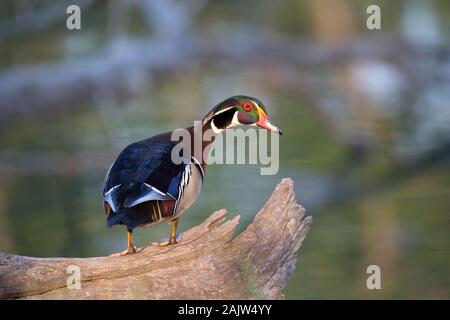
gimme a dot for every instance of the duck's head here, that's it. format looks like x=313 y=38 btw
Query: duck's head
x=236 y=111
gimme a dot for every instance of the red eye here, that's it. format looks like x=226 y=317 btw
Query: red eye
x=247 y=106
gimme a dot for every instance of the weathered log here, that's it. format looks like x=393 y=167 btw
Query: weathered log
x=208 y=263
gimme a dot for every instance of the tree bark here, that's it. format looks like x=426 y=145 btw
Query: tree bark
x=208 y=263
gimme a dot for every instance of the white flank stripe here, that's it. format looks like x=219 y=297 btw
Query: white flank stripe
x=183 y=183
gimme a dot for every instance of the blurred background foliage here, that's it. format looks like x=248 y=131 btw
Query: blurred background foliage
x=366 y=117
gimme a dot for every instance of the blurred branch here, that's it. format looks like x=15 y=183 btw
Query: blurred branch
x=329 y=108
x=130 y=65
x=118 y=18
x=171 y=19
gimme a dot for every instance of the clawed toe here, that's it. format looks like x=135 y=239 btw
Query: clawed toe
x=168 y=242
x=164 y=243
x=130 y=250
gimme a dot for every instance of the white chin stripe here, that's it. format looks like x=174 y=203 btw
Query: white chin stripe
x=215 y=129
x=235 y=122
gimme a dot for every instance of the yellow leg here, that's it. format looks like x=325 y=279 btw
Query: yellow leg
x=131 y=247
x=130 y=240
x=173 y=235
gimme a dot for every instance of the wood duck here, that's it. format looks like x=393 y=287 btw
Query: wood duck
x=144 y=187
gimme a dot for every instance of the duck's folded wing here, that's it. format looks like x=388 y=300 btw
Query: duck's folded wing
x=144 y=171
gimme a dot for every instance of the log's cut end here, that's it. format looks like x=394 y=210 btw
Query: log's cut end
x=208 y=263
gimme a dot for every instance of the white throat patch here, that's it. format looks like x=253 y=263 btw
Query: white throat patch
x=235 y=122
x=215 y=129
